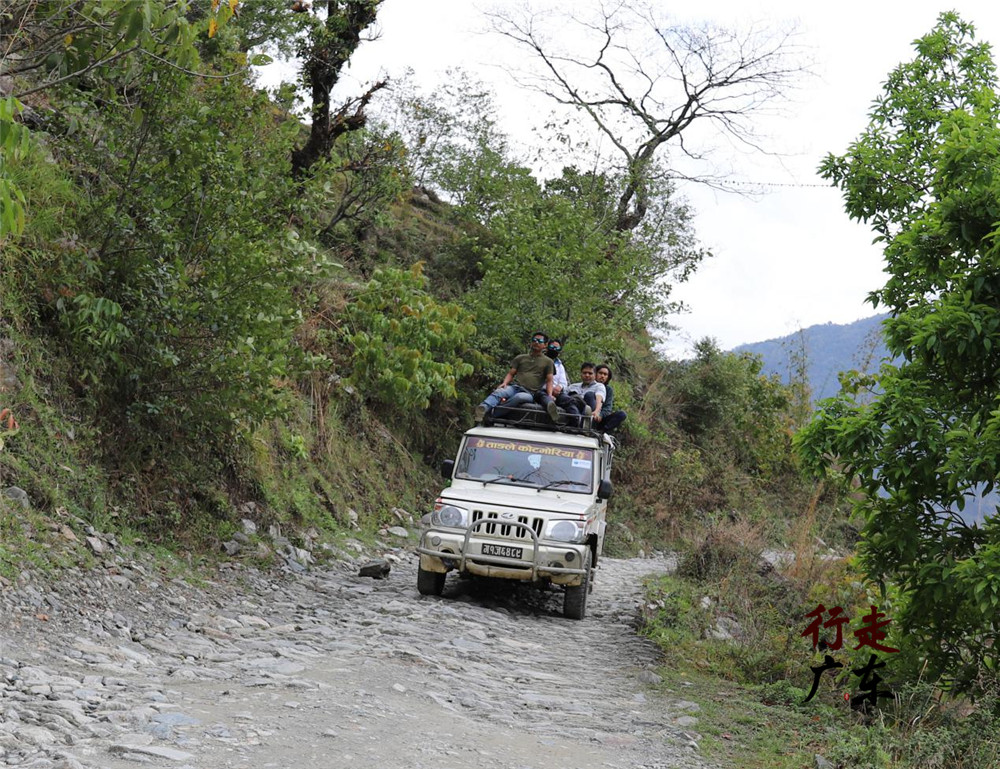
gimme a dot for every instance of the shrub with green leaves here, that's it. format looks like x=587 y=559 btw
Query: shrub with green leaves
x=14 y=144
x=726 y=404
x=407 y=347
x=182 y=308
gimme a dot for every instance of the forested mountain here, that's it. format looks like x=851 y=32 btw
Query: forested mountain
x=823 y=351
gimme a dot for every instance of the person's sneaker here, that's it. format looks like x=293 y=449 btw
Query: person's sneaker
x=553 y=411
x=587 y=411
x=480 y=413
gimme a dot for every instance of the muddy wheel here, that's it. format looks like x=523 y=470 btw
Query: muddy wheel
x=429 y=582
x=575 y=599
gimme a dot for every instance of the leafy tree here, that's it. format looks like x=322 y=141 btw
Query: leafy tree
x=49 y=44
x=272 y=25
x=68 y=40
x=925 y=174
x=356 y=185
x=454 y=143
x=553 y=263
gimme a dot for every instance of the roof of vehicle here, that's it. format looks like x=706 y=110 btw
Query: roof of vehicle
x=540 y=436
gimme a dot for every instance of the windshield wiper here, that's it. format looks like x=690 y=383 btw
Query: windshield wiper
x=561 y=483
x=499 y=478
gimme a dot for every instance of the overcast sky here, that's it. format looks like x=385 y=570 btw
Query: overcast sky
x=785 y=259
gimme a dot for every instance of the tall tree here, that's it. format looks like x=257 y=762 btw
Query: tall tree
x=644 y=82
x=325 y=52
x=926 y=175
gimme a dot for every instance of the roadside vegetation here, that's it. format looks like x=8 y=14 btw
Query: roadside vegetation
x=907 y=449
x=210 y=310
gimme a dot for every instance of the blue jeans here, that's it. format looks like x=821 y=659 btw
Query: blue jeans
x=572 y=408
x=524 y=397
x=589 y=399
x=509 y=393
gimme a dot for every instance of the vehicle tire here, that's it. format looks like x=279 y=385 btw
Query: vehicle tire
x=575 y=599
x=429 y=582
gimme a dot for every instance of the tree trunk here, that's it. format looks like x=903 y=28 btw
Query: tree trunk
x=333 y=44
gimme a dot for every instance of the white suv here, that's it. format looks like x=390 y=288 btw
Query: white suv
x=525 y=503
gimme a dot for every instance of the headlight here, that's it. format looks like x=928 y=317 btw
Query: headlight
x=450 y=516
x=567 y=531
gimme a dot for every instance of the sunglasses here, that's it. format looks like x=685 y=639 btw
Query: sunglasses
x=555 y=347
x=539 y=339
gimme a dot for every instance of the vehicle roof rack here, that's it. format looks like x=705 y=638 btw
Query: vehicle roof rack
x=533 y=417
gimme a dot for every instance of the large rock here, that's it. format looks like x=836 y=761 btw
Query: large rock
x=18 y=496
x=375 y=569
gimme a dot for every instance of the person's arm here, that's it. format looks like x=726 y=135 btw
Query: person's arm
x=507 y=379
x=548 y=385
x=599 y=393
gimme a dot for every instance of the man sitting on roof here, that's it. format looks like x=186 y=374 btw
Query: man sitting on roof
x=560 y=384
x=529 y=378
x=610 y=419
x=588 y=394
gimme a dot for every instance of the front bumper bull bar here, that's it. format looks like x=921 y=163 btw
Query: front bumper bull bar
x=496 y=560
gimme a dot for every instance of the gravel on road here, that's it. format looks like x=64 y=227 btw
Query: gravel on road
x=121 y=667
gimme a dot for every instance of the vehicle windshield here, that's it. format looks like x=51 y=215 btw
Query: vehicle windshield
x=525 y=463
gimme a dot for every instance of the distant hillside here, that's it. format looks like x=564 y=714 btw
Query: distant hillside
x=834 y=348
x=829 y=349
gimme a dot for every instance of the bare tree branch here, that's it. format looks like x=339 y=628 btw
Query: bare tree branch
x=644 y=83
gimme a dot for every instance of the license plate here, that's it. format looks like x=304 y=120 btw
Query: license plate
x=504 y=551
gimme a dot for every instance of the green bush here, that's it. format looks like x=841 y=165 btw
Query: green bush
x=406 y=346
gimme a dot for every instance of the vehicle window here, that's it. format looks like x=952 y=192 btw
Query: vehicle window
x=525 y=463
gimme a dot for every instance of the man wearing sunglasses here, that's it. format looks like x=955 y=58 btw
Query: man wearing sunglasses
x=529 y=378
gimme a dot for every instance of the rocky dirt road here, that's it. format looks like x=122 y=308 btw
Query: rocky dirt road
x=121 y=668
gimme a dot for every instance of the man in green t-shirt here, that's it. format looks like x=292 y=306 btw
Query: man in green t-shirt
x=529 y=379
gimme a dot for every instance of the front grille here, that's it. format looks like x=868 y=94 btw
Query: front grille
x=506 y=531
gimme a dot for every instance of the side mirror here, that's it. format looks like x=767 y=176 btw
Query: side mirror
x=448 y=468
x=605 y=489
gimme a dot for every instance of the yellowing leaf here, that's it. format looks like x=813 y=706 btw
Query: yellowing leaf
x=68 y=41
x=213 y=26
x=232 y=5
x=215 y=5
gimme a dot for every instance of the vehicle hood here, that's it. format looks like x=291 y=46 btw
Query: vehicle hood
x=466 y=493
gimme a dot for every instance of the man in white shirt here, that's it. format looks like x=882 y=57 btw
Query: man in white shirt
x=559 y=379
x=560 y=384
x=588 y=392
